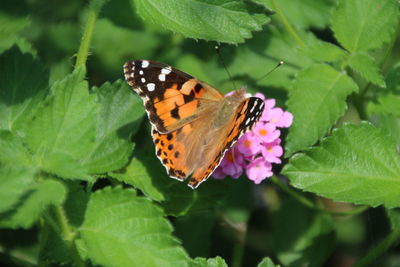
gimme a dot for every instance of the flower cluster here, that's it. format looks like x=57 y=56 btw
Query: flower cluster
x=256 y=150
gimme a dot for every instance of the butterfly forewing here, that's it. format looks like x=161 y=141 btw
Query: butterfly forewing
x=171 y=97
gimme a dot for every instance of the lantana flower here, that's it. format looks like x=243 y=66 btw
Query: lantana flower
x=256 y=151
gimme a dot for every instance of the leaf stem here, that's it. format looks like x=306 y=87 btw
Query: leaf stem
x=93 y=12
x=67 y=234
x=374 y=253
x=308 y=203
x=287 y=25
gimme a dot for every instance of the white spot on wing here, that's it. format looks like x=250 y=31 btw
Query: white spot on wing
x=247 y=121
x=161 y=77
x=151 y=86
x=145 y=64
x=141 y=72
x=252 y=108
x=166 y=70
x=143 y=80
x=132 y=74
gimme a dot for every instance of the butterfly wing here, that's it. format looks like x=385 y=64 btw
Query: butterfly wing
x=171 y=97
x=246 y=115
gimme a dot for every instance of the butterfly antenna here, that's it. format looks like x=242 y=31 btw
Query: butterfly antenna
x=269 y=72
x=225 y=67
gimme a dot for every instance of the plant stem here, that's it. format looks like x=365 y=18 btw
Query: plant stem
x=308 y=203
x=93 y=12
x=374 y=253
x=67 y=234
x=239 y=245
x=287 y=25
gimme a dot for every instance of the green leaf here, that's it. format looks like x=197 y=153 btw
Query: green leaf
x=112 y=44
x=30 y=207
x=357 y=164
x=361 y=25
x=15 y=182
x=365 y=65
x=302 y=236
x=306 y=13
x=23 y=85
x=317 y=100
x=138 y=175
x=324 y=51
x=13 y=150
x=63 y=128
x=229 y=21
x=11 y=27
x=267 y=262
x=213 y=262
x=387 y=105
x=120 y=116
x=122 y=229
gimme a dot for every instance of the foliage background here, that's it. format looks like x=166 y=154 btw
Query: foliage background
x=79 y=182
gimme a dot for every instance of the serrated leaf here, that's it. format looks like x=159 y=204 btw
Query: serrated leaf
x=324 y=51
x=213 y=262
x=64 y=125
x=317 y=100
x=361 y=25
x=365 y=65
x=122 y=229
x=230 y=21
x=307 y=242
x=45 y=193
x=23 y=85
x=267 y=262
x=357 y=164
x=121 y=113
x=15 y=181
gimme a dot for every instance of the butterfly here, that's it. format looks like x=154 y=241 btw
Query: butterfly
x=193 y=124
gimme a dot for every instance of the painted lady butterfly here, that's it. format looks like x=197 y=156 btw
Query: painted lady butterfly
x=193 y=123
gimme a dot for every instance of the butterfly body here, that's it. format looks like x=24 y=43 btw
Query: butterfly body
x=193 y=123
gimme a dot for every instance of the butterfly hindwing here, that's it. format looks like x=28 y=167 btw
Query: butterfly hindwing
x=247 y=114
x=171 y=97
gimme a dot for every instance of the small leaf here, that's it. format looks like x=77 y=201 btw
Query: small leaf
x=213 y=262
x=229 y=21
x=64 y=125
x=267 y=262
x=122 y=229
x=324 y=51
x=361 y=25
x=23 y=85
x=365 y=65
x=45 y=193
x=357 y=164
x=317 y=100
x=302 y=236
x=121 y=113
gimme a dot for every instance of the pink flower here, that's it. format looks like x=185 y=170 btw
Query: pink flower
x=272 y=152
x=279 y=117
x=258 y=149
x=249 y=144
x=266 y=132
x=232 y=163
x=258 y=170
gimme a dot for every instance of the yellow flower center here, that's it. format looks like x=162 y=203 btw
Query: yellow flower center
x=247 y=143
x=263 y=132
